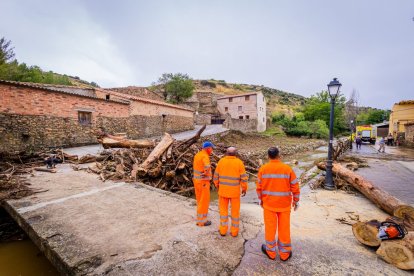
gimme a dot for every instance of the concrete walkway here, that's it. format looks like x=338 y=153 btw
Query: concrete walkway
x=85 y=226
x=210 y=130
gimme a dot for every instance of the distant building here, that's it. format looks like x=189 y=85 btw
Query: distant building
x=401 y=114
x=246 y=112
x=381 y=129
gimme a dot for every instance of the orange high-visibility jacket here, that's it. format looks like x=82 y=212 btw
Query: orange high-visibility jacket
x=230 y=176
x=201 y=166
x=276 y=184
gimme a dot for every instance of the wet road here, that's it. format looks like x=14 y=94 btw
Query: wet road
x=392 y=171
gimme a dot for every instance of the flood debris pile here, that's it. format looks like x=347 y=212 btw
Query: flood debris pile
x=12 y=168
x=167 y=166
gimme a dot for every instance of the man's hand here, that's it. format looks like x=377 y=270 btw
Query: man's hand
x=295 y=205
x=243 y=193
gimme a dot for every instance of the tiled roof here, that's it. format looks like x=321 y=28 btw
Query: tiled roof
x=238 y=95
x=59 y=89
x=139 y=99
x=406 y=102
x=141 y=92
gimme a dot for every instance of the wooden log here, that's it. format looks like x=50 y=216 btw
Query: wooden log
x=156 y=153
x=366 y=232
x=125 y=143
x=382 y=199
x=399 y=252
x=45 y=170
x=406 y=213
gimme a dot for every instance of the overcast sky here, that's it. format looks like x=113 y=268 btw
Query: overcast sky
x=297 y=46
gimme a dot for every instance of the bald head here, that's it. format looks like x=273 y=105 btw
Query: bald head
x=231 y=151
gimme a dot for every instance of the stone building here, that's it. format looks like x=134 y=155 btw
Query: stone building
x=205 y=105
x=34 y=116
x=246 y=112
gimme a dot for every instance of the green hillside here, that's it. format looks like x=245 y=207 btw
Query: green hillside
x=278 y=101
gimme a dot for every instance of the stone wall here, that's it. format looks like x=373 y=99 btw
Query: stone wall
x=409 y=135
x=245 y=125
x=34 y=132
x=203 y=119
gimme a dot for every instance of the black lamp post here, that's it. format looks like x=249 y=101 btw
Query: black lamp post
x=333 y=88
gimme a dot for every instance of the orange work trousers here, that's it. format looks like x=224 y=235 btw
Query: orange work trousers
x=202 y=192
x=277 y=222
x=224 y=215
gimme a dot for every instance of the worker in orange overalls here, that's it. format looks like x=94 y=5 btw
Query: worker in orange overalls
x=201 y=179
x=278 y=191
x=230 y=178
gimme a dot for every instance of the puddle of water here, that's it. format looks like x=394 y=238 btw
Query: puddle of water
x=24 y=258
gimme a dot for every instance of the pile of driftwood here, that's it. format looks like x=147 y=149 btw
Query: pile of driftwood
x=166 y=165
x=397 y=252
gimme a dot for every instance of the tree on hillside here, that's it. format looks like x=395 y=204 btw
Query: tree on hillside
x=6 y=51
x=318 y=107
x=176 y=87
x=372 y=116
x=352 y=109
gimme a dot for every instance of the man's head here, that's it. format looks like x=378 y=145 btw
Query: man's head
x=208 y=147
x=273 y=153
x=231 y=151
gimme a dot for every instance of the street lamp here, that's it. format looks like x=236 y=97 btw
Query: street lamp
x=333 y=89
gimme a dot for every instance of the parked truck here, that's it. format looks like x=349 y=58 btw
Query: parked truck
x=366 y=133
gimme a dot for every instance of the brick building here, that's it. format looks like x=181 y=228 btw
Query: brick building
x=246 y=112
x=34 y=116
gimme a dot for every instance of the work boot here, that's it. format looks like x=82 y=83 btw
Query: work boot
x=290 y=255
x=265 y=252
x=223 y=235
x=207 y=223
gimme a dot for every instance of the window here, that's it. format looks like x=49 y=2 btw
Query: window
x=241 y=117
x=107 y=97
x=240 y=108
x=263 y=119
x=85 y=118
x=230 y=100
x=247 y=117
x=226 y=109
x=246 y=98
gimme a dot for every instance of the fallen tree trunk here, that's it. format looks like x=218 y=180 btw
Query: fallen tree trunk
x=382 y=199
x=399 y=252
x=159 y=150
x=125 y=143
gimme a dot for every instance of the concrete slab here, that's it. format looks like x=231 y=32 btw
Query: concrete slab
x=85 y=226
x=321 y=244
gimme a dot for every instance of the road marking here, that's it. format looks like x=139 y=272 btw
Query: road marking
x=60 y=200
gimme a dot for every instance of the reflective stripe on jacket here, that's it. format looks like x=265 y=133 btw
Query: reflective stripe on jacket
x=276 y=185
x=201 y=166
x=230 y=177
